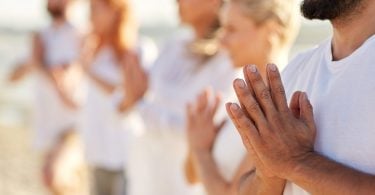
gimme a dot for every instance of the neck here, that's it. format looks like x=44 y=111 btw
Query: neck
x=350 y=33
x=59 y=21
x=203 y=27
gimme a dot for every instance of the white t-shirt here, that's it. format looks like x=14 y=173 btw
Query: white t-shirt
x=101 y=129
x=105 y=131
x=159 y=152
x=62 y=46
x=342 y=94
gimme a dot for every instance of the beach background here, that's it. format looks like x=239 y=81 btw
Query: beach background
x=19 y=163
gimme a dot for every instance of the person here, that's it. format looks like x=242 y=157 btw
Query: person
x=183 y=69
x=322 y=142
x=110 y=58
x=55 y=49
x=254 y=32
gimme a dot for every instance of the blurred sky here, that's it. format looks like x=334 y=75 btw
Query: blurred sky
x=26 y=14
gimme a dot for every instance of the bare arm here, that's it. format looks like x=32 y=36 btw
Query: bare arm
x=252 y=184
x=135 y=81
x=212 y=179
x=105 y=86
x=319 y=175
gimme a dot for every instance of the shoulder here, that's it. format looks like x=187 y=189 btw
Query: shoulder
x=177 y=40
x=304 y=60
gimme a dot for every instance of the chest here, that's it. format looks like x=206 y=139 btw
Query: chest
x=344 y=111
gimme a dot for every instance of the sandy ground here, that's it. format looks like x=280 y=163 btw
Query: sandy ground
x=19 y=165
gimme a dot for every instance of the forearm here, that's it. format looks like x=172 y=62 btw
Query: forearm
x=108 y=88
x=209 y=175
x=319 y=175
x=252 y=184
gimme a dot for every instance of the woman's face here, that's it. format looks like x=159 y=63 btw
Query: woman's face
x=102 y=17
x=192 y=11
x=245 y=41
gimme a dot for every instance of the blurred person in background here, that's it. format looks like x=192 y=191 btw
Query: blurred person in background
x=254 y=32
x=184 y=68
x=54 y=51
x=111 y=57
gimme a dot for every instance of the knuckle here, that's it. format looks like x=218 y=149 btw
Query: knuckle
x=275 y=76
x=265 y=94
x=256 y=79
x=280 y=90
x=254 y=107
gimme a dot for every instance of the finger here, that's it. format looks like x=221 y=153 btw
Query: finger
x=202 y=101
x=216 y=105
x=295 y=105
x=190 y=115
x=307 y=113
x=189 y=110
x=221 y=125
x=262 y=92
x=245 y=127
x=249 y=103
x=277 y=88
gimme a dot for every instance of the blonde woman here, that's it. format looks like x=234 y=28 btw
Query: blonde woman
x=255 y=32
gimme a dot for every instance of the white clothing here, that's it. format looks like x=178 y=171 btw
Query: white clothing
x=101 y=126
x=342 y=94
x=52 y=118
x=229 y=151
x=62 y=45
x=156 y=164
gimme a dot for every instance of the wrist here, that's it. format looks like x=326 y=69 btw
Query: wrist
x=200 y=154
x=299 y=165
x=269 y=181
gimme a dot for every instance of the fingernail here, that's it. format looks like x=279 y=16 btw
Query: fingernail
x=234 y=107
x=272 y=67
x=241 y=84
x=252 y=68
x=305 y=96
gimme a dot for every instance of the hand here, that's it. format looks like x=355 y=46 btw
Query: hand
x=19 y=72
x=277 y=135
x=201 y=128
x=59 y=75
x=135 y=80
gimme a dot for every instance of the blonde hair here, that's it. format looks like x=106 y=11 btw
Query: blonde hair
x=284 y=12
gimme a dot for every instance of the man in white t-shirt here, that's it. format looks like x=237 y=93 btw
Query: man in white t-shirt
x=330 y=150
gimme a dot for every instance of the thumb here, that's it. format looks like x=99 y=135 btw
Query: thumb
x=307 y=113
x=221 y=125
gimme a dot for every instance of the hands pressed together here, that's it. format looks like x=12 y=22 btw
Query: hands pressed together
x=276 y=135
x=135 y=81
x=201 y=128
